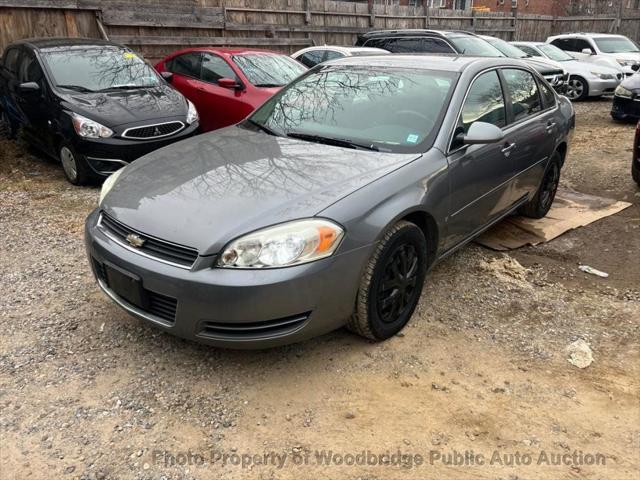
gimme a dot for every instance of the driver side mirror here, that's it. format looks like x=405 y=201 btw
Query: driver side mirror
x=29 y=87
x=635 y=67
x=229 y=83
x=481 y=133
x=587 y=51
x=168 y=76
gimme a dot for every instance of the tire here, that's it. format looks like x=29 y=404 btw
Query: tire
x=385 y=304
x=635 y=172
x=577 y=88
x=540 y=204
x=5 y=126
x=75 y=166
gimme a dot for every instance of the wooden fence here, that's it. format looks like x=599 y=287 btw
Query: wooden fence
x=157 y=27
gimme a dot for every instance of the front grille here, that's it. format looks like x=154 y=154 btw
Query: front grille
x=247 y=331
x=153 y=247
x=154 y=131
x=156 y=304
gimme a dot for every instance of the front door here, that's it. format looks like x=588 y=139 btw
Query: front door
x=480 y=176
x=34 y=104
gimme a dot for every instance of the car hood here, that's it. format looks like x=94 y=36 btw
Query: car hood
x=121 y=107
x=208 y=190
x=543 y=65
x=632 y=83
x=575 y=67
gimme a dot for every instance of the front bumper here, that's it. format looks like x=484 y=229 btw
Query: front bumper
x=625 y=108
x=233 y=308
x=599 y=87
x=106 y=155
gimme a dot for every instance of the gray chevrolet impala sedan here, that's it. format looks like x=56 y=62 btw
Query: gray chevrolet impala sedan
x=329 y=204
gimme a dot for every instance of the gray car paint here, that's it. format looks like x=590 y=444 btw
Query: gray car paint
x=205 y=191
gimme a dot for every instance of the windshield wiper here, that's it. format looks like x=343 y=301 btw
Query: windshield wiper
x=262 y=127
x=125 y=87
x=338 y=142
x=77 y=88
x=268 y=85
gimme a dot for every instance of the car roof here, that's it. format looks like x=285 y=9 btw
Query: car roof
x=340 y=49
x=224 y=51
x=56 y=42
x=587 y=34
x=416 y=31
x=442 y=62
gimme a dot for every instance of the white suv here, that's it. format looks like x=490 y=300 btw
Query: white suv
x=600 y=48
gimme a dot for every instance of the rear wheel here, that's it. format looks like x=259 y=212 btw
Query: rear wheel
x=75 y=166
x=392 y=283
x=577 y=88
x=540 y=204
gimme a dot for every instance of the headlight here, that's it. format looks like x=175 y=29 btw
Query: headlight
x=192 y=113
x=87 y=128
x=603 y=76
x=291 y=243
x=108 y=184
x=622 y=92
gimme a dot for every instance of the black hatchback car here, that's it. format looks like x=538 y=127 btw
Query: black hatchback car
x=92 y=104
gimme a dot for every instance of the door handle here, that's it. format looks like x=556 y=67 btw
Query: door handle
x=508 y=148
x=550 y=126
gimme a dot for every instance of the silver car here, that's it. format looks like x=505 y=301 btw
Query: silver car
x=585 y=79
x=329 y=204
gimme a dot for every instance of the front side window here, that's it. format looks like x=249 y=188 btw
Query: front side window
x=383 y=108
x=29 y=70
x=266 y=70
x=548 y=97
x=99 y=68
x=484 y=103
x=474 y=46
x=11 y=60
x=214 y=68
x=579 y=45
x=616 y=45
x=523 y=90
x=333 y=55
x=312 y=58
x=566 y=44
x=188 y=64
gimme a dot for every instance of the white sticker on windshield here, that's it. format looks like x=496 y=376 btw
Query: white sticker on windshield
x=412 y=138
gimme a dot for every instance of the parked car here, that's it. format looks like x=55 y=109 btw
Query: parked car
x=93 y=105
x=585 y=79
x=428 y=41
x=227 y=84
x=312 y=56
x=550 y=70
x=626 y=99
x=615 y=51
x=635 y=162
x=329 y=204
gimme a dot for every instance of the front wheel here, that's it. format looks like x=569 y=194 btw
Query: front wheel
x=392 y=283
x=635 y=172
x=540 y=204
x=577 y=88
x=75 y=167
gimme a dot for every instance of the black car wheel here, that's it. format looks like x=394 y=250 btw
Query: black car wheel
x=540 y=204
x=577 y=88
x=5 y=126
x=635 y=172
x=392 y=283
x=75 y=166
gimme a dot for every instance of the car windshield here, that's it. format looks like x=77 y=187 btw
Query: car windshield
x=99 y=68
x=506 y=48
x=554 y=53
x=382 y=108
x=475 y=46
x=616 y=45
x=265 y=70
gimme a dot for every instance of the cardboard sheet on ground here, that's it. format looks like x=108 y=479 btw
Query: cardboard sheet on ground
x=570 y=210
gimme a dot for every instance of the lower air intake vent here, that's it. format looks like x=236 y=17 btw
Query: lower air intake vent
x=270 y=328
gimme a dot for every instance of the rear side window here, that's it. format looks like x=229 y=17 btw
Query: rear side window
x=484 y=103
x=435 y=45
x=404 y=45
x=188 y=64
x=311 y=59
x=523 y=90
x=331 y=55
x=214 y=68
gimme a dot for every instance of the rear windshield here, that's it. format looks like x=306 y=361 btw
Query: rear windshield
x=389 y=109
x=615 y=45
x=554 y=53
x=474 y=46
x=99 y=68
x=264 y=70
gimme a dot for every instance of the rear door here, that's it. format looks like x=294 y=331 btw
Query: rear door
x=531 y=109
x=480 y=176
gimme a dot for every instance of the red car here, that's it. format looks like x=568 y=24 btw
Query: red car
x=635 y=162
x=227 y=84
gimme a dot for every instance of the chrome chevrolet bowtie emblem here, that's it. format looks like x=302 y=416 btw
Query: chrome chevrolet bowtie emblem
x=135 y=241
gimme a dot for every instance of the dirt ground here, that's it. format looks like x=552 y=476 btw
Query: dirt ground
x=477 y=387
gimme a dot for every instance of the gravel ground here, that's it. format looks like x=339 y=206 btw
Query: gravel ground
x=88 y=392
